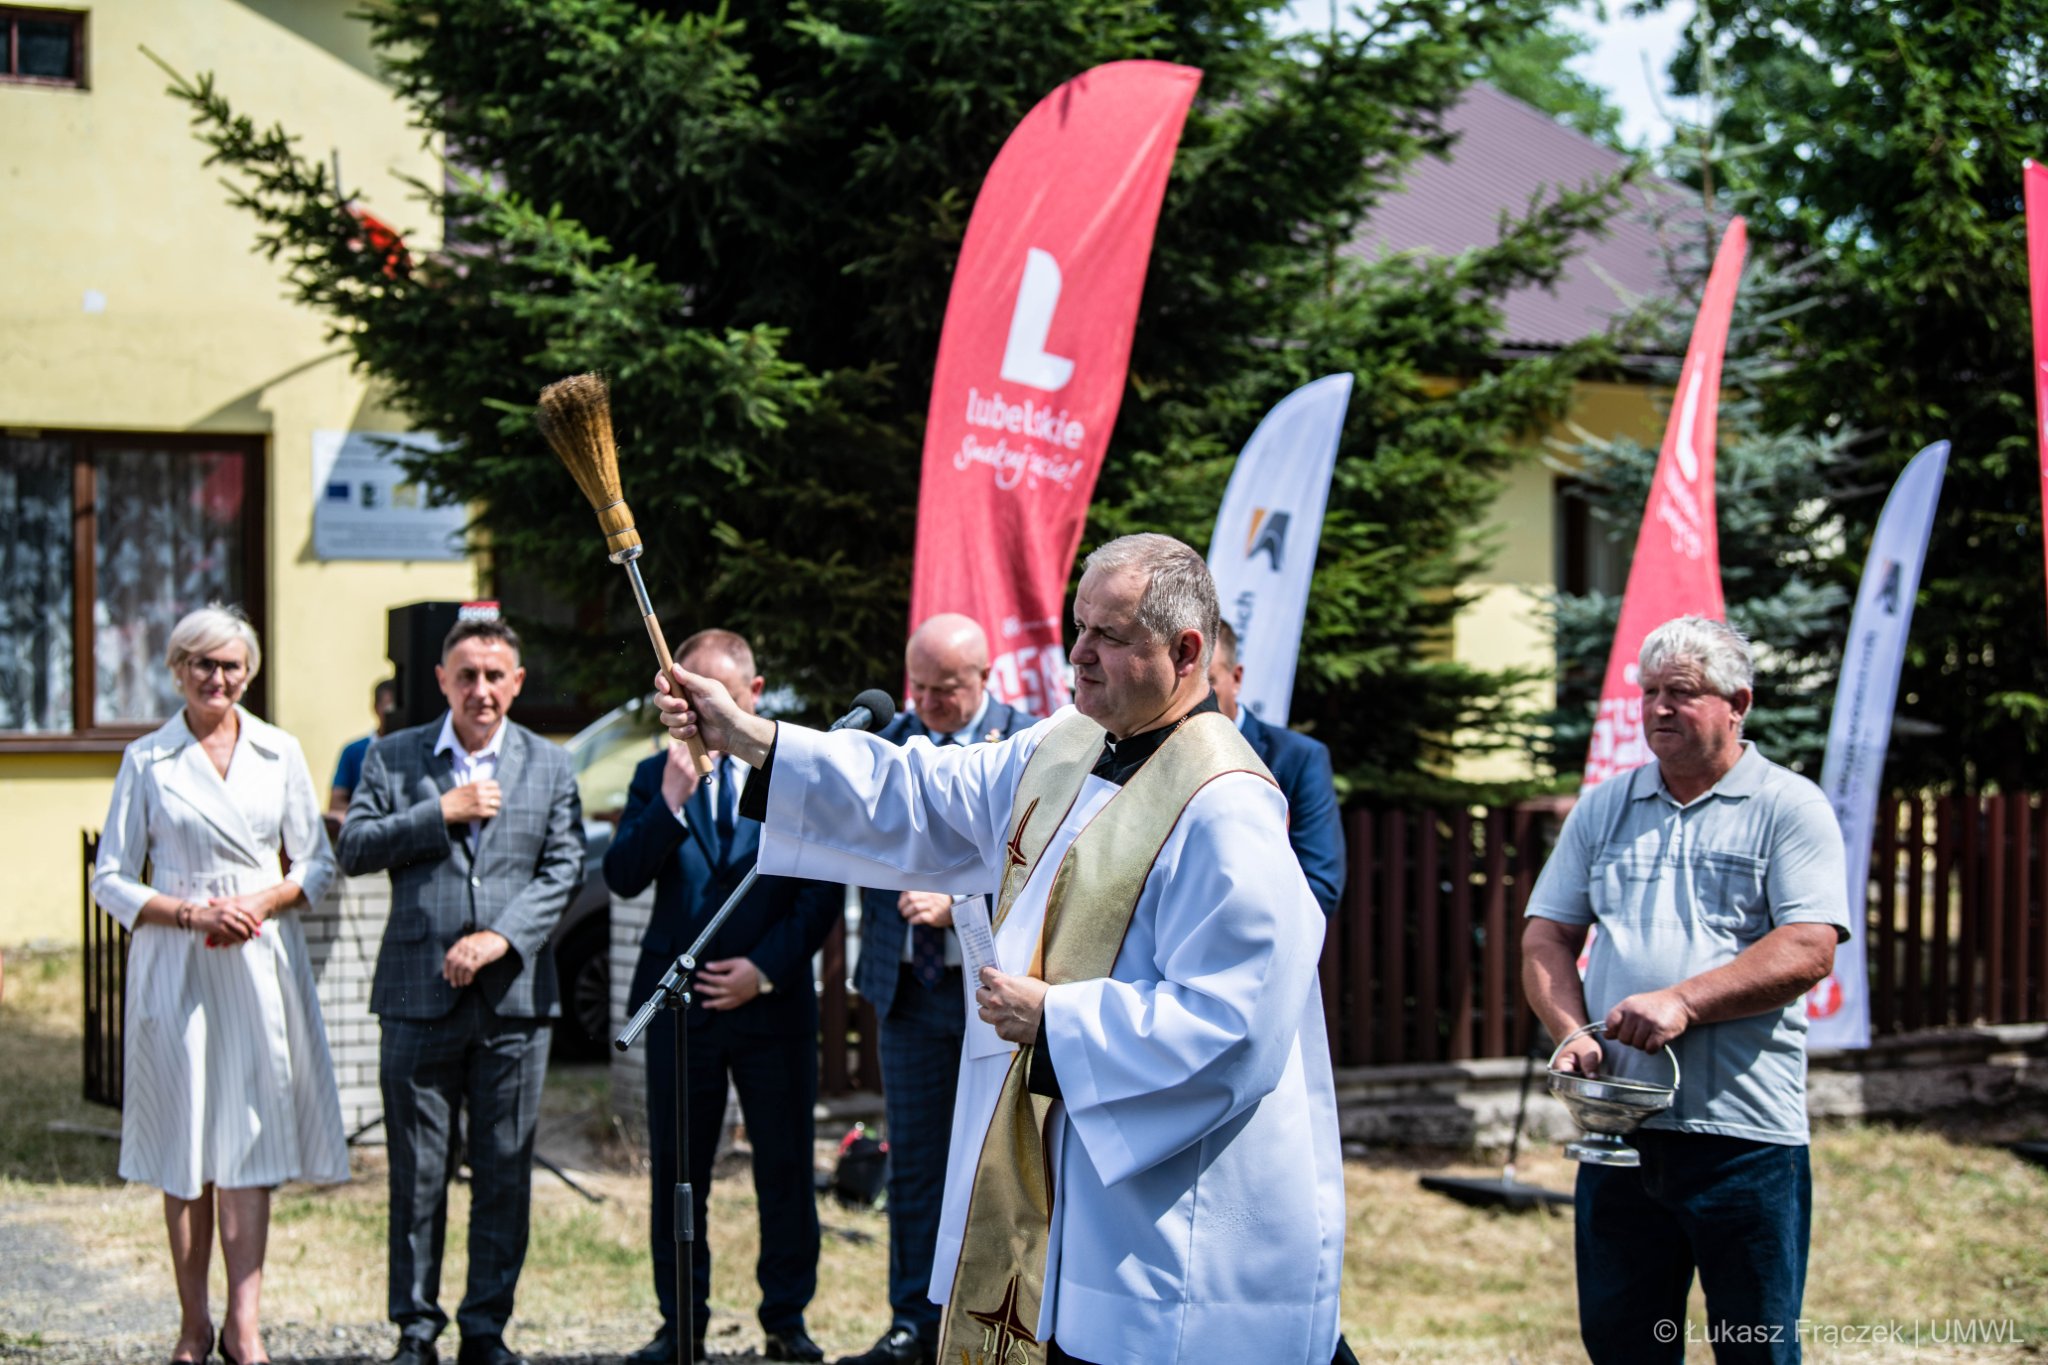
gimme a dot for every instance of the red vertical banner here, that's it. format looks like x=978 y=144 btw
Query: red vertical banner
x=1032 y=359
x=2036 y=177
x=1677 y=565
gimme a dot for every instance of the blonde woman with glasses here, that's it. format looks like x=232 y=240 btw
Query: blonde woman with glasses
x=229 y=1087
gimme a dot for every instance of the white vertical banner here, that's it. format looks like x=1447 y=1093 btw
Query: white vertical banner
x=1263 y=551
x=1852 y=775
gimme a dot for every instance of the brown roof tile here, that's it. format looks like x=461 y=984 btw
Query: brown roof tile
x=1507 y=152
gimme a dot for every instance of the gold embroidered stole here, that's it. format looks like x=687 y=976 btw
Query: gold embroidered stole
x=992 y=1314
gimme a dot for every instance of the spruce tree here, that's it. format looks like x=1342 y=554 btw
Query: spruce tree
x=748 y=217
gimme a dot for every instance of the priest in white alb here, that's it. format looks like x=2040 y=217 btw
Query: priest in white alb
x=1144 y=1163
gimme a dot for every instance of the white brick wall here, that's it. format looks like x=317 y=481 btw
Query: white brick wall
x=342 y=934
x=629 y=1087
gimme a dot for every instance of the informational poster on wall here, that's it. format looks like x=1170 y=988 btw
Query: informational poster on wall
x=365 y=506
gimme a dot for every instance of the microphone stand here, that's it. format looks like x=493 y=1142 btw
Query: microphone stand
x=872 y=710
x=672 y=992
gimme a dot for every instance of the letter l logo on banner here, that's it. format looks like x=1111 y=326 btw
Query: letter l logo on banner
x=1033 y=361
x=1025 y=359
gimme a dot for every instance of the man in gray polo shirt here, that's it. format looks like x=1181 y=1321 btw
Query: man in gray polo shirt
x=1717 y=881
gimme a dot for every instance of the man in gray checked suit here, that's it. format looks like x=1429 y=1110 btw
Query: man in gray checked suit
x=477 y=820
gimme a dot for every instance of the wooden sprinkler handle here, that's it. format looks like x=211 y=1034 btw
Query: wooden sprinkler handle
x=699 y=755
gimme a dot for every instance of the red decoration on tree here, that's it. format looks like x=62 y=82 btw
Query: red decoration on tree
x=380 y=236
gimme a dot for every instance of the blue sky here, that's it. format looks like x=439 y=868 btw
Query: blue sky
x=1628 y=58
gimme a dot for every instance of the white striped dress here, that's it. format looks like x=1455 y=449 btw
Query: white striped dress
x=228 y=1078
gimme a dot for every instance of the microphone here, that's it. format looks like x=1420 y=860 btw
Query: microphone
x=872 y=710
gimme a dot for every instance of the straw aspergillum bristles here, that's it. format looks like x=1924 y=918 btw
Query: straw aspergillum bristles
x=575 y=415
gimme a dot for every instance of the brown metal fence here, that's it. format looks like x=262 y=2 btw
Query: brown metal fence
x=856 y=1063
x=106 y=979
x=1422 y=962
x=1958 y=911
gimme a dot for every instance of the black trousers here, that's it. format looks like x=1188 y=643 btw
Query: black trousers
x=777 y=1081
x=920 y=1080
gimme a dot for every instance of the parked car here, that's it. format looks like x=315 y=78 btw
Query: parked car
x=605 y=753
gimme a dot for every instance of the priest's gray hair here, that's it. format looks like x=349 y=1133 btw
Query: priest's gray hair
x=1179 y=592
x=201 y=632
x=1719 y=649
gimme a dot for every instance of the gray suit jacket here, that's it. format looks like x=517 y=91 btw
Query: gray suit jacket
x=527 y=863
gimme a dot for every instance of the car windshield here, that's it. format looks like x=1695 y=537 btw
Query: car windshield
x=607 y=750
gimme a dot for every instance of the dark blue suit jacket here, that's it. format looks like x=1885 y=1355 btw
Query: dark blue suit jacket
x=779 y=926
x=881 y=924
x=1314 y=826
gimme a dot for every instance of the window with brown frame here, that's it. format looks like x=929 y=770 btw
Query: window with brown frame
x=106 y=539
x=42 y=46
x=1588 y=556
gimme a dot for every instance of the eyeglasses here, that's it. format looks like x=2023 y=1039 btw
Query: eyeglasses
x=206 y=668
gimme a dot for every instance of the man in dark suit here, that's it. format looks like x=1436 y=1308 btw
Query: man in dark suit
x=478 y=822
x=910 y=971
x=1302 y=768
x=753 y=1017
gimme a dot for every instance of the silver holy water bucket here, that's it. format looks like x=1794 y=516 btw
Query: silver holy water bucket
x=1606 y=1107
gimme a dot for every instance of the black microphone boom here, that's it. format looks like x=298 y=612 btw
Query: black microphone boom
x=872 y=710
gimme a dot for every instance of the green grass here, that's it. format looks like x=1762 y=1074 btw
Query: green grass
x=41 y=1061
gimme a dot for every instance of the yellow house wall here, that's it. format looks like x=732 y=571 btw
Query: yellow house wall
x=1505 y=625
x=104 y=189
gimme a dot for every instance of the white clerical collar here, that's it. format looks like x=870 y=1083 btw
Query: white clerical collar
x=449 y=742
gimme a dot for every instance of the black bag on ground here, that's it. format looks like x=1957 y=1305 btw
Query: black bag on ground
x=862 y=1172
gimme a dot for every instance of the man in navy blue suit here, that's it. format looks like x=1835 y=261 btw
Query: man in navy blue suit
x=910 y=971
x=753 y=1017
x=1302 y=768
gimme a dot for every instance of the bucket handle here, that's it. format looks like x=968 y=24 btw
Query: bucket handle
x=1598 y=1026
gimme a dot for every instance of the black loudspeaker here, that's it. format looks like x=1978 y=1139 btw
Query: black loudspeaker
x=413 y=635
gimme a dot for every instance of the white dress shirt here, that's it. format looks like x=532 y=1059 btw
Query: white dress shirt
x=467 y=767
